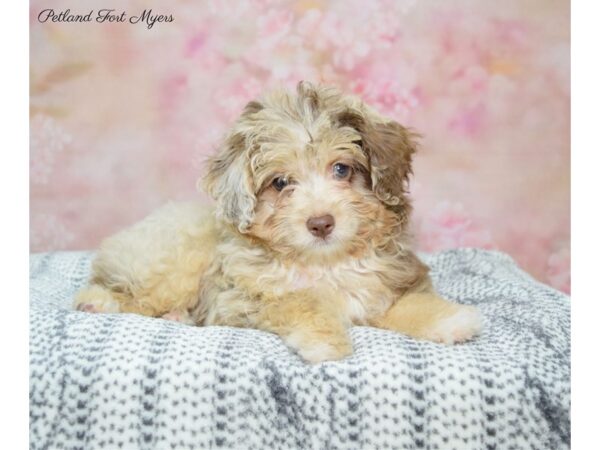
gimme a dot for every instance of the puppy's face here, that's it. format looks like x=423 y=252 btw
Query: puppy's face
x=315 y=176
x=313 y=198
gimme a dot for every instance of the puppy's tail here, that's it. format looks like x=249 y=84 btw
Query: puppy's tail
x=97 y=299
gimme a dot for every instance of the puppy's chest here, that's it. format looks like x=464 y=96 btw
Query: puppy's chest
x=362 y=291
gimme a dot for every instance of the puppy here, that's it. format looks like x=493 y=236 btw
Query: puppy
x=309 y=235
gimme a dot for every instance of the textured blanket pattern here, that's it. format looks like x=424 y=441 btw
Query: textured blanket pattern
x=126 y=381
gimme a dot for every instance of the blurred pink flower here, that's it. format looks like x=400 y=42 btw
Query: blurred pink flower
x=171 y=91
x=336 y=38
x=390 y=87
x=274 y=25
x=513 y=33
x=470 y=80
x=231 y=98
x=195 y=43
x=448 y=225
x=468 y=121
x=388 y=96
x=277 y=50
x=48 y=230
x=205 y=46
x=47 y=141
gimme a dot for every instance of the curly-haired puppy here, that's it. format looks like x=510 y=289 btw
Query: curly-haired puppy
x=309 y=235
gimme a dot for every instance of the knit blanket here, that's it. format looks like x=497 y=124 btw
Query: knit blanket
x=125 y=381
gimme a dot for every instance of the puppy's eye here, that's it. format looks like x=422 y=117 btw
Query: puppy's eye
x=341 y=171
x=279 y=183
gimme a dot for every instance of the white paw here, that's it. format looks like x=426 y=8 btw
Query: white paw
x=179 y=316
x=95 y=299
x=109 y=307
x=463 y=325
x=86 y=307
x=315 y=350
x=322 y=352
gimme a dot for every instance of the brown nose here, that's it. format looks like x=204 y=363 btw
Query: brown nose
x=321 y=226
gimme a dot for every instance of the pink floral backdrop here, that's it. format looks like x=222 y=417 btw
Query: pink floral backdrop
x=122 y=116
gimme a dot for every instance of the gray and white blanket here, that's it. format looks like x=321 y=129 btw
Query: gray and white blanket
x=126 y=381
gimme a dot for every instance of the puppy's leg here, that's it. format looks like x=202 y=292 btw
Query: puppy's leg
x=153 y=268
x=425 y=315
x=308 y=322
x=96 y=298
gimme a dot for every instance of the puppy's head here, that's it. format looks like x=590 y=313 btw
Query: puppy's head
x=314 y=175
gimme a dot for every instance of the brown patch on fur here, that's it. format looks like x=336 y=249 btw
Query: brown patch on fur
x=389 y=147
x=307 y=93
x=218 y=164
x=228 y=180
x=253 y=107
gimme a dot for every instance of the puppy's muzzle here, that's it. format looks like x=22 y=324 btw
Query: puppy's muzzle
x=321 y=226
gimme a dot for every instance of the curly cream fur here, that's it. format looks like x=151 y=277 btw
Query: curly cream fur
x=252 y=262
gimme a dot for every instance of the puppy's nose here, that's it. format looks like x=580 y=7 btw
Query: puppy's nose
x=321 y=226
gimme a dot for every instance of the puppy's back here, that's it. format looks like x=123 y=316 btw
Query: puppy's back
x=158 y=261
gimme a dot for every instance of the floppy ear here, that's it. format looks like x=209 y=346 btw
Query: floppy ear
x=389 y=147
x=228 y=178
x=229 y=182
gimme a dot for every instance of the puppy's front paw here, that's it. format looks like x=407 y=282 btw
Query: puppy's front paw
x=461 y=326
x=86 y=307
x=179 y=316
x=95 y=299
x=324 y=352
x=315 y=347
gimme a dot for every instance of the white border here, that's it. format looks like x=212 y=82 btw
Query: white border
x=14 y=245
x=585 y=231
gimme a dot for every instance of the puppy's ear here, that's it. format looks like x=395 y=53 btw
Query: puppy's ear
x=228 y=178
x=389 y=148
